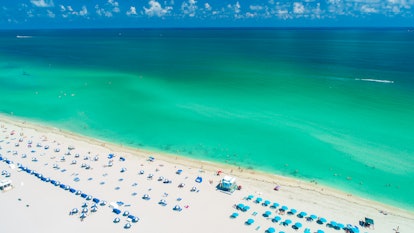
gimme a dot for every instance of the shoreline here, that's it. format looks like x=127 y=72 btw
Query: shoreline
x=250 y=175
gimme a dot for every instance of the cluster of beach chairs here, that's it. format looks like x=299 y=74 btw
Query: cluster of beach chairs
x=281 y=215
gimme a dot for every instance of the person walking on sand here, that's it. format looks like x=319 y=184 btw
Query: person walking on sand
x=397 y=229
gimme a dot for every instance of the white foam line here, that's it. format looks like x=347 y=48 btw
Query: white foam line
x=374 y=80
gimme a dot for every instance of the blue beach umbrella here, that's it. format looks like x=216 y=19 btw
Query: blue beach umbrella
x=302 y=214
x=284 y=208
x=270 y=230
x=307 y=230
x=276 y=219
x=234 y=215
x=266 y=203
x=249 y=221
x=339 y=226
x=293 y=211
x=287 y=222
x=298 y=225
x=313 y=217
x=320 y=231
x=249 y=197
x=267 y=214
x=246 y=208
x=321 y=221
x=240 y=206
x=333 y=224
x=274 y=205
x=259 y=199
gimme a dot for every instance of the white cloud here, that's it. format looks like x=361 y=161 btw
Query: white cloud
x=69 y=8
x=298 y=8
x=132 y=11
x=50 y=14
x=102 y=12
x=42 y=3
x=115 y=6
x=62 y=8
x=189 y=8
x=156 y=9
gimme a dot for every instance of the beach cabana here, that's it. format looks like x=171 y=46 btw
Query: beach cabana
x=297 y=225
x=302 y=214
x=287 y=222
x=267 y=214
x=270 y=230
x=274 y=205
x=249 y=221
x=321 y=221
x=234 y=215
x=292 y=211
x=245 y=208
x=5 y=184
x=276 y=219
x=369 y=222
x=266 y=203
x=227 y=184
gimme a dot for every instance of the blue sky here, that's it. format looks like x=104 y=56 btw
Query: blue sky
x=204 y=13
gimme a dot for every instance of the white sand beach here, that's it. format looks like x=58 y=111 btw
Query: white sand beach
x=83 y=164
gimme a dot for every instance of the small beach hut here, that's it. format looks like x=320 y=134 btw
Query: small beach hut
x=5 y=184
x=270 y=230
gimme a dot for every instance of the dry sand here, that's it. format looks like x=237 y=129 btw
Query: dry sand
x=34 y=206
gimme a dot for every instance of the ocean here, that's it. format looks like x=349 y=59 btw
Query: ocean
x=335 y=106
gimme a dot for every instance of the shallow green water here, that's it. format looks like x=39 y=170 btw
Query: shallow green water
x=336 y=106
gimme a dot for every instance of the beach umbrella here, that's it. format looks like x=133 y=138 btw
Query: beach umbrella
x=284 y=208
x=94 y=209
x=84 y=210
x=250 y=221
x=246 y=208
x=259 y=199
x=116 y=220
x=127 y=225
x=307 y=230
x=313 y=217
x=339 y=226
x=287 y=222
x=274 y=205
x=177 y=208
x=298 y=225
x=249 y=197
x=84 y=205
x=267 y=214
x=266 y=203
x=234 y=215
x=333 y=224
x=240 y=206
x=126 y=213
x=83 y=216
x=302 y=214
x=276 y=219
x=321 y=220
x=135 y=219
x=320 y=231
x=74 y=211
x=270 y=230
x=293 y=211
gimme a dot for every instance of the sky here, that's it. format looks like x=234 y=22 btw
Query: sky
x=36 y=14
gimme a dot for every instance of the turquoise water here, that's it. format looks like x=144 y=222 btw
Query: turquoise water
x=335 y=106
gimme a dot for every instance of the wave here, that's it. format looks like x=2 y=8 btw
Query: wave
x=23 y=37
x=374 y=80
